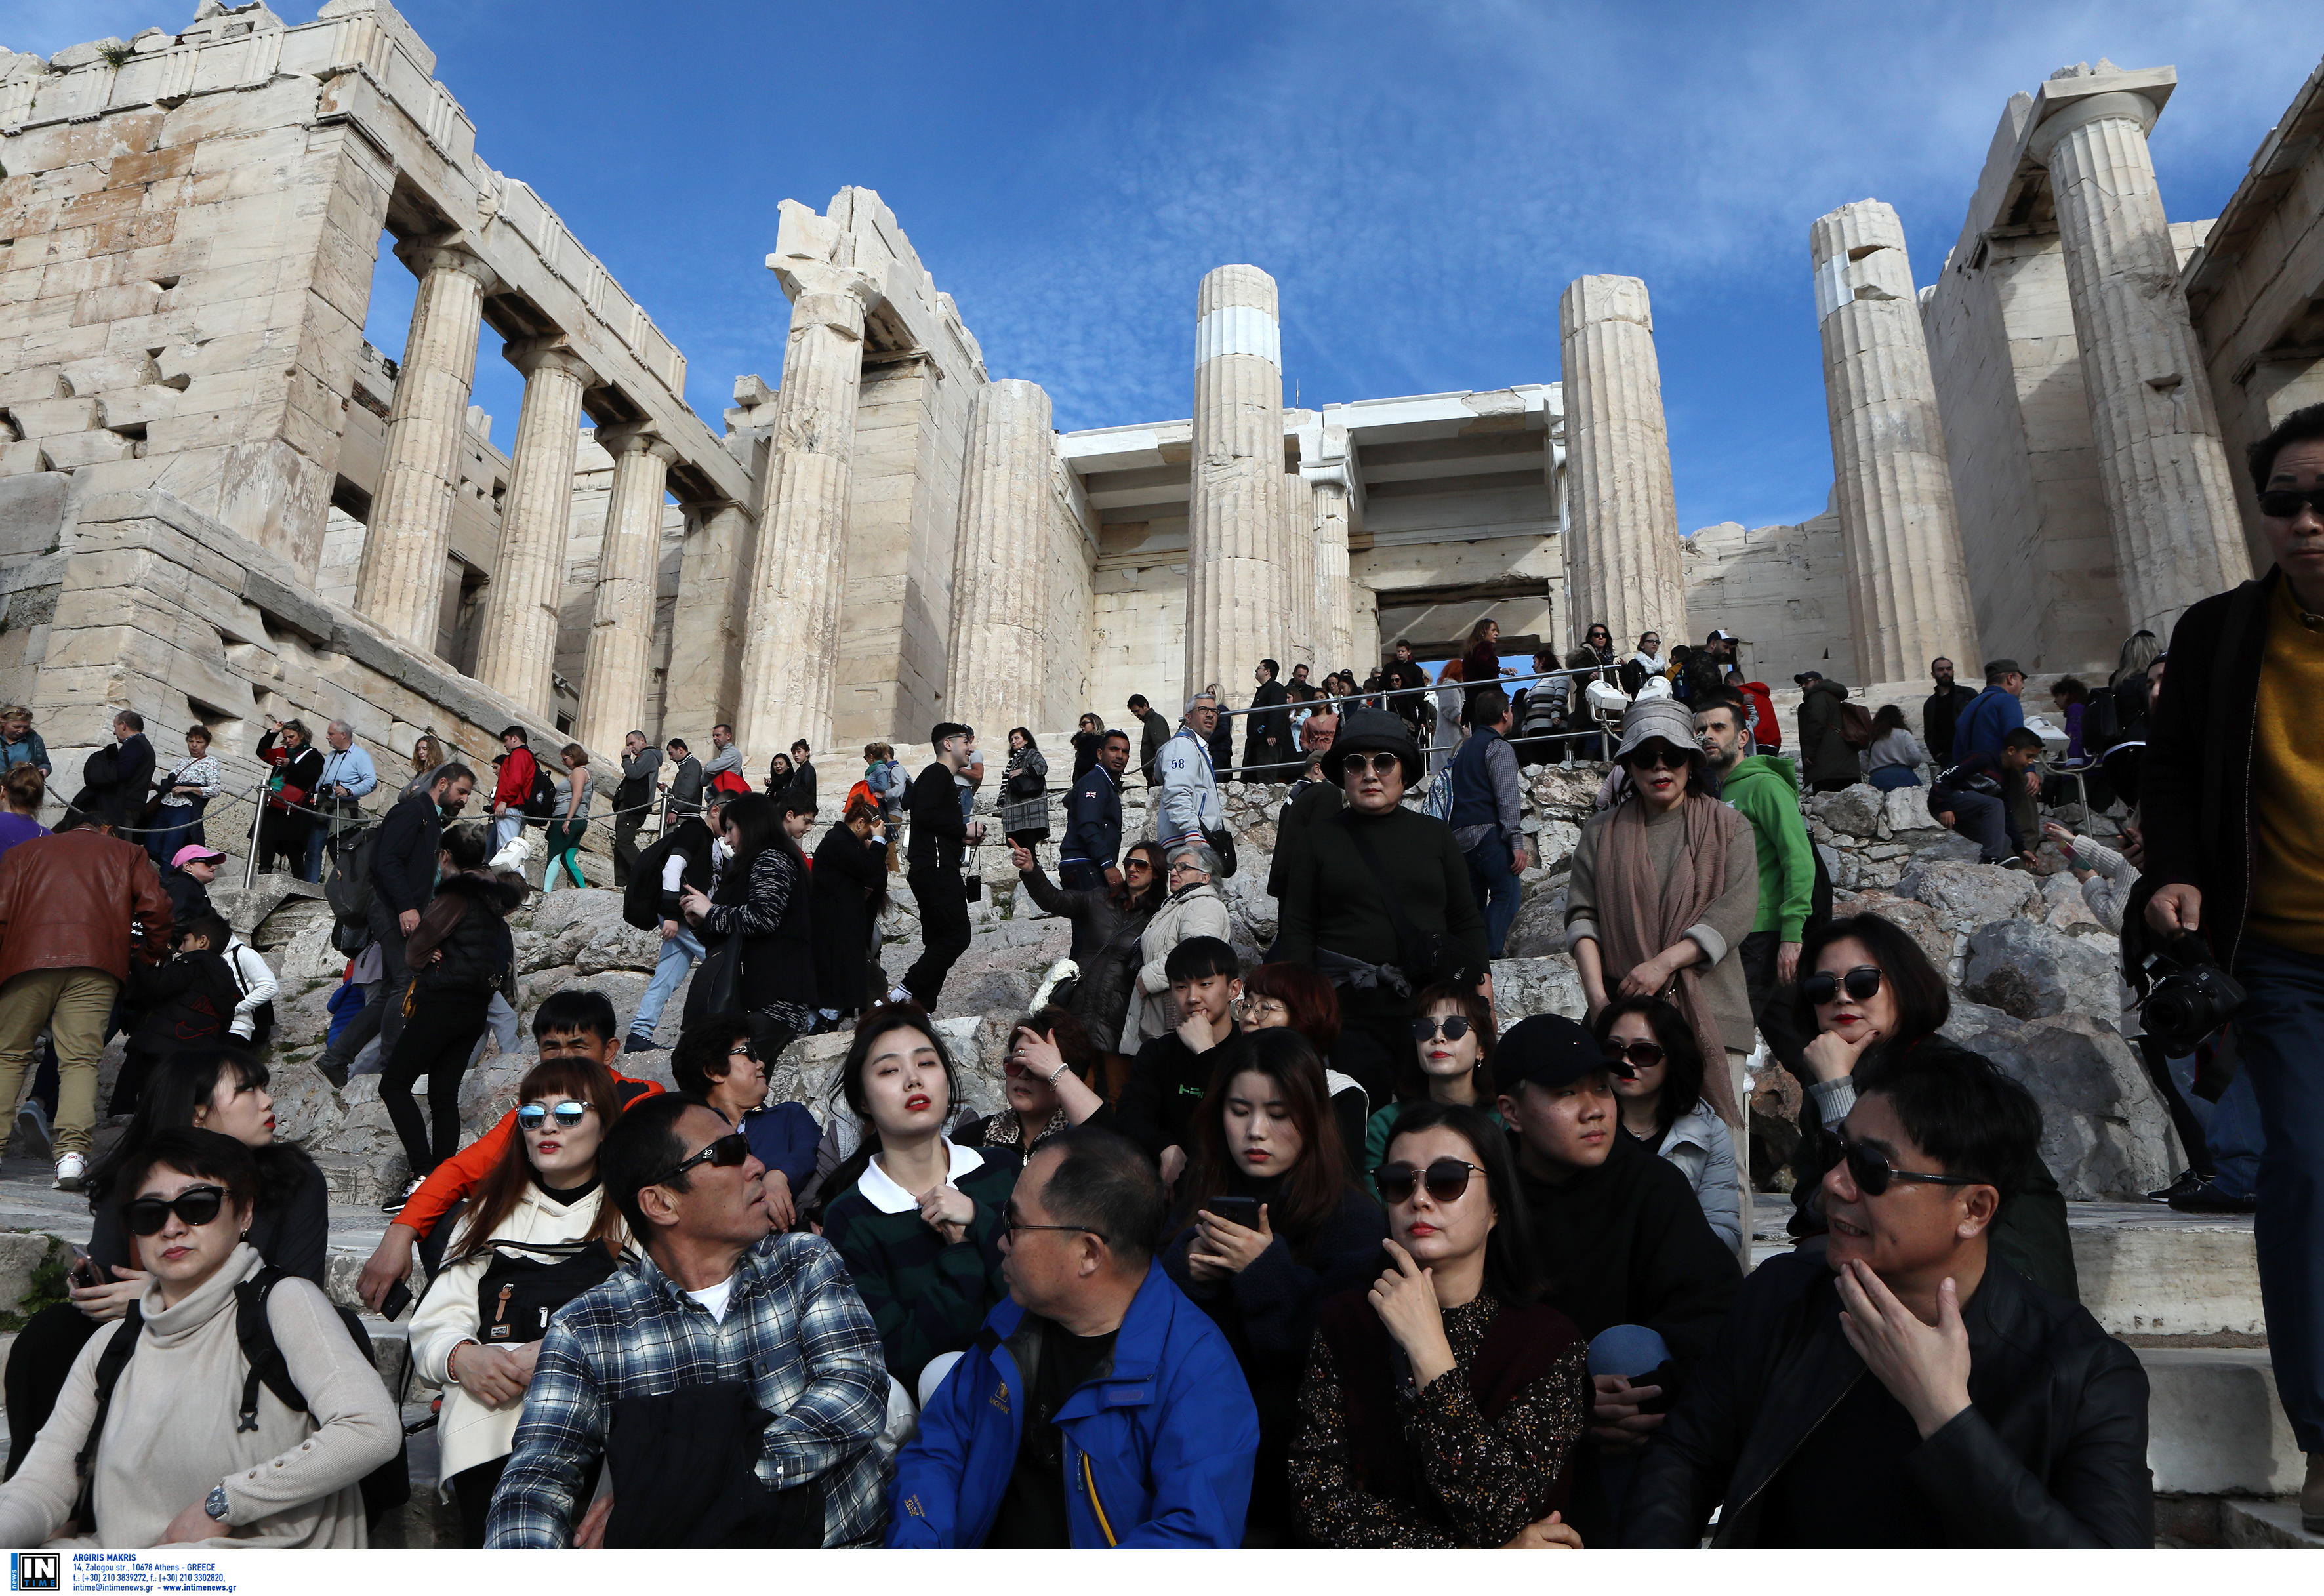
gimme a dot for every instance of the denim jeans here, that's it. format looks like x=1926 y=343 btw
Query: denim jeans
x=1494 y=883
x=1889 y=777
x=2236 y=1139
x=681 y=953
x=173 y=825
x=505 y=829
x=1628 y=1351
x=1980 y=818
x=2281 y=1030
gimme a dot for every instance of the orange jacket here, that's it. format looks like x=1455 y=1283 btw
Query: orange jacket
x=465 y=1170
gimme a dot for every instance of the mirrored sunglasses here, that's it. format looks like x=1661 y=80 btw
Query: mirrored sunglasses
x=532 y=1116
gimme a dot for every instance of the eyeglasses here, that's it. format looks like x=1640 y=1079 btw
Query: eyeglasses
x=1872 y=1173
x=532 y=1116
x=1011 y=1224
x=2283 y=503
x=1452 y=1027
x=1251 y=1007
x=1445 y=1180
x=725 y=1153
x=1639 y=1054
x=1665 y=758
x=1824 y=987
x=197 y=1205
x=1372 y=764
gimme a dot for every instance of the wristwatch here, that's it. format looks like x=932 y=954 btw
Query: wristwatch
x=215 y=1504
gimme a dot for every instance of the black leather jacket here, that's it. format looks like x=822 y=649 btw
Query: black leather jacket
x=2052 y=1450
x=1105 y=947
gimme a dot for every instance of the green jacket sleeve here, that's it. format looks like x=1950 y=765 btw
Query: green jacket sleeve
x=1774 y=815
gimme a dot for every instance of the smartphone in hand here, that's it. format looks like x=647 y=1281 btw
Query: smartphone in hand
x=82 y=1270
x=398 y=1298
x=1241 y=1211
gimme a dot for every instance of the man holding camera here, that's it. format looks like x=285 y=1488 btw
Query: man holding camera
x=2232 y=793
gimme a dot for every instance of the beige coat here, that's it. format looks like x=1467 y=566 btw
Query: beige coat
x=170 y=1434
x=1198 y=911
x=467 y=1432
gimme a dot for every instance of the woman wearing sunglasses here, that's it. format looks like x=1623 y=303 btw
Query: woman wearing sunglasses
x=1274 y=1225
x=1450 y=1061
x=919 y=1227
x=537 y=1234
x=1866 y=984
x=221 y=1089
x=172 y=1465
x=1109 y=924
x=1046 y=1078
x=718 y=1062
x=1663 y=1107
x=1441 y=1407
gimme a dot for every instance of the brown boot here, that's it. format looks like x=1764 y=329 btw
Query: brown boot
x=2311 y=1495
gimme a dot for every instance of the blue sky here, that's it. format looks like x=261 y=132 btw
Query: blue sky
x=1422 y=180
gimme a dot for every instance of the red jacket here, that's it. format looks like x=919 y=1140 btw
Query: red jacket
x=515 y=788
x=1770 y=731
x=461 y=1174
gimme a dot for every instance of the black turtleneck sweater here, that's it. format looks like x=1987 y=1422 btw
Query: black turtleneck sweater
x=1332 y=896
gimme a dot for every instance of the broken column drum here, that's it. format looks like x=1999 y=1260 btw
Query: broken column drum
x=1000 y=594
x=516 y=649
x=1239 y=600
x=1623 y=555
x=1908 y=584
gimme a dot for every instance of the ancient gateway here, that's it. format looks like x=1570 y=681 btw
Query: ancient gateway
x=218 y=504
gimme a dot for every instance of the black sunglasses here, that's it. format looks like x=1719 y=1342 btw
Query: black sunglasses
x=197 y=1205
x=725 y=1153
x=1445 y=1180
x=1642 y=1055
x=1824 y=987
x=1376 y=764
x=532 y=1116
x=2283 y=503
x=1667 y=759
x=1454 y=1027
x=1872 y=1173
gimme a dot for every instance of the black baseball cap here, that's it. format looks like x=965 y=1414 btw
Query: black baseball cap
x=1549 y=1051
x=1809 y=676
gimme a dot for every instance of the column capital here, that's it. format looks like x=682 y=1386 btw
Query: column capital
x=447 y=252
x=554 y=353
x=809 y=280
x=2119 y=105
x=637 y=438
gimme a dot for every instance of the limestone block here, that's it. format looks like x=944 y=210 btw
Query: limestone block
x=141 y=406
x=26 y=387
x=1854 y=811
x=1906 y=808
x=56 y=417
x=2033 y=970
x=2105 y=1135
x=1565 y=795
x=103 y=373
x=1548 y=984
x=1539 y=929
x=71 y=452
x=1950 y=848
x=2215 y=1426
x=17 y=459
x=1927 y=927
x=1553 y=843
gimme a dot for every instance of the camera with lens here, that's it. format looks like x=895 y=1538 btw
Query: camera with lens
x=2188 y=996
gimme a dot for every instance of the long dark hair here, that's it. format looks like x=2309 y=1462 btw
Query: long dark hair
x=183 y=1081
x=1681 y=1053
x=1923 y=1003
x=1158 y=885
x=1311 y=1192
x=758 y=826
x=498 y=1193
x=1888 y=718
x=847 y=1087
x=1510 y=1272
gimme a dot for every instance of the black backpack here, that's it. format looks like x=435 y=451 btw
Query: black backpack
x=642 y=899
x=540 y=803
x=528 y=1281
x=2101 y=726
x=349 y=891
x=384 y=1490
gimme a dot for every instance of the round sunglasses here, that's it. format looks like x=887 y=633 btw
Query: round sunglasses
x=1452 y=1027
x=1446 y=1179
x=197 y=1205
x=1824 y=987
x=532 y=1116
x=1872 y=1173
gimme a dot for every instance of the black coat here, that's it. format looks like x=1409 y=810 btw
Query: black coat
x=1937 y=717
x=846 y=888
x=768 y=905
x=1156 y=732
x=2052 y=1450
x=404 y=858
x=187 y=1002
x=1824 y=753
x=1105 y=947
x=190 y=899
x=1269 y=739
x=477 y=951
x=938 y=830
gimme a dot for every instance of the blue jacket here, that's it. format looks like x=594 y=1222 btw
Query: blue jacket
x=1093 y=819
x=1159 y=1443
x=1985 y=721
x=784 y=1136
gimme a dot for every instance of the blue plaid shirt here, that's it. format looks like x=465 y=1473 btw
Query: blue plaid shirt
x=793 y=1329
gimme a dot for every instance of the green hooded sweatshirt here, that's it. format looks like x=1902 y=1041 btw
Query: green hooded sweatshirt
x=1765 y=787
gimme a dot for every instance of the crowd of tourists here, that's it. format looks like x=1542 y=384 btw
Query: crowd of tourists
x=1298 y=1250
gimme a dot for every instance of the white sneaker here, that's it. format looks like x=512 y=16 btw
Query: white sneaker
x=897 y=994
x=71 y=1170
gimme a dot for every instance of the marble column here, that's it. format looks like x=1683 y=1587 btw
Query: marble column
x=1238 y=569
x=1300 y=640
x=2170 y=495
x=1000 y=650
x=1334 y=599
x=400 y=586
x=705 y=634
x=790 y=654
x=1899 y=532
x=516 y=646
x=619 y=667
x=1623 y=557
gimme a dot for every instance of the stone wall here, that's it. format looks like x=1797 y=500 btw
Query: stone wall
x=1781 y=589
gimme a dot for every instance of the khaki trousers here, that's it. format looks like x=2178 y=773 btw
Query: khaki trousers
x=72 y=1005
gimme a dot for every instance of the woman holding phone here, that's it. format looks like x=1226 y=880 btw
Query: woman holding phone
x=1277 y=1225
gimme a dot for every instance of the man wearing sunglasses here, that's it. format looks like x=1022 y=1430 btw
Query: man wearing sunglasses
x=719 y=1299
x=1619 y=1234
x=1908 y=1388
x=2231 y=790
x=1099 y=1407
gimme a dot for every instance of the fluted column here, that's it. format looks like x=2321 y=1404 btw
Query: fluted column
x=517 y=645
x=1000 y=651
x=1238 y=569
x=1623 y=557
x=1899 y=532
x=400 y=583
x=620 y=662
x=705 y=634
x=790 y=654
x=1300 y=538
x=1335 y=601
x=2170 y=497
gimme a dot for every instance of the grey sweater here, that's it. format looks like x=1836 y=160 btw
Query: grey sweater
x=1718 y=933
x=170 y=1434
